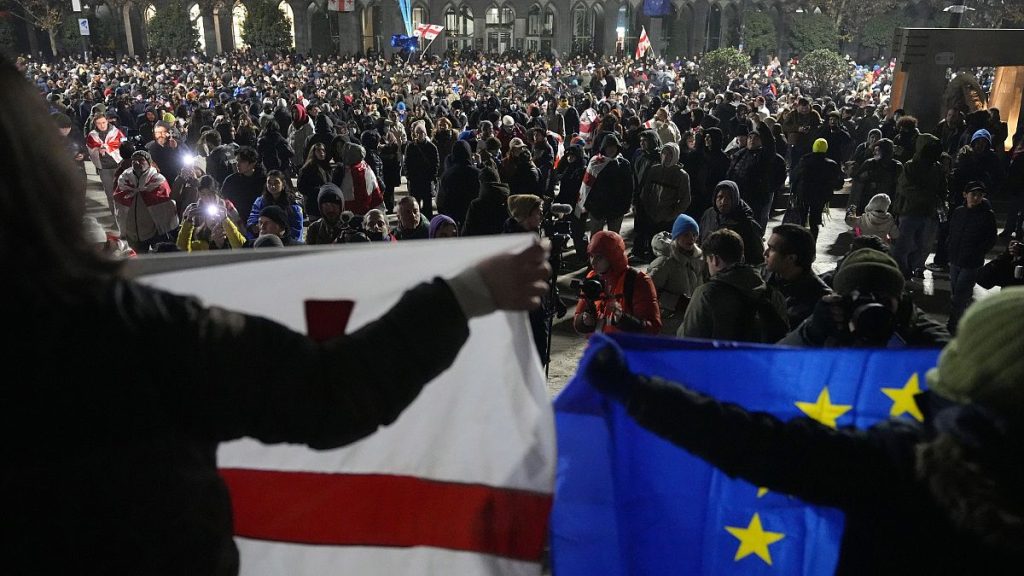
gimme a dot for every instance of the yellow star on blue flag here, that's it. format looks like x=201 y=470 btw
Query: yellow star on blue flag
x=754 y=540
x=903 y=399
x=823 y=410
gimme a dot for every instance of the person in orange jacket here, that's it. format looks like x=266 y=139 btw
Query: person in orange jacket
x=615 y=297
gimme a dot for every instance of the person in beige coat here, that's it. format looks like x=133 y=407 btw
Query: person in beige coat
x=677 y=271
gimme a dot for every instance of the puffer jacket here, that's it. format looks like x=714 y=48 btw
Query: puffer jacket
x=972 y=233
x=676 y=275
x=665 y=192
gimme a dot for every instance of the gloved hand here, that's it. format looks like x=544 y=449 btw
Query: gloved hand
x=827 y=321
x=609 y=373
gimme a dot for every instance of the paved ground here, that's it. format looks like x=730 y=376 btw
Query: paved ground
x=931 y=294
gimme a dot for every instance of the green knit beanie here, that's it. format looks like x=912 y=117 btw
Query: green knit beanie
x=985 y=362
x=869 y=270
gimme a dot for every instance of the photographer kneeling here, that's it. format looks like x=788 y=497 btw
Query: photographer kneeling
x=615 y=297
x=869 y=309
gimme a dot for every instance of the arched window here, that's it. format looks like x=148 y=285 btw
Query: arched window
x=458 y=26
x=582 y=28
x=540 y=27
x=419 y=16
x=500 y=16
x=195 y=15
x=714 y=29
x=290 y=15
x=149 y=13
x=238 y=15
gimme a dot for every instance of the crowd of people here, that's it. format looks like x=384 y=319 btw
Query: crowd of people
x=239 y=151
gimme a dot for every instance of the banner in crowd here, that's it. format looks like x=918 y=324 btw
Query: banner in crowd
x=628 y=502
x=461 y=483
x=341 y=5
x=429 y=31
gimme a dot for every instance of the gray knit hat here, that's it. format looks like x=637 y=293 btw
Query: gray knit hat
x=985 y=362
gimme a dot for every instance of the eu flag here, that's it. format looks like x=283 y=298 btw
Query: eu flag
x=657 y=8
x=628 y=502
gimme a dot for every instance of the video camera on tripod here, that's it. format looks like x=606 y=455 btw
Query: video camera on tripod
x=556 y=227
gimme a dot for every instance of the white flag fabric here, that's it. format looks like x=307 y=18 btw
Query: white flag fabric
x=644 y=44
x=461 y=483
x=341 y=5
x=428 y=31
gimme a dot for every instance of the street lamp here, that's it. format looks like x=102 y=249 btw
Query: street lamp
x=956 y=14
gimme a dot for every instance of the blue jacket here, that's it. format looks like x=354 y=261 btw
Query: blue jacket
x=294 y=219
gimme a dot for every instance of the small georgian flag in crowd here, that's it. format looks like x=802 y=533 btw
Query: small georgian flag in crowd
x=644 y=44
x=428 y=31
x=341 y=5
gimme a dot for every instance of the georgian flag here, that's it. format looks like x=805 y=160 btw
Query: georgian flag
x=341 y=5
x=461 y=483
x=644 y=44
x=428 y=31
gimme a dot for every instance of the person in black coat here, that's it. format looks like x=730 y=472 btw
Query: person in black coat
x=570 y=173
x=489 y=211
x=391 y=158
x=611 y=193
x=972 y=233
x=370 y=141
x=934 y=494
x=460 y=184
x=421 y=167
x=815 y=179
x=273 y=148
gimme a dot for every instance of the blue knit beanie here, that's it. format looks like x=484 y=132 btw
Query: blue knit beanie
x=684 y=224
x=982 y=135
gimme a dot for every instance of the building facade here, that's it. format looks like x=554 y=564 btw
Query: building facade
x=550 y=26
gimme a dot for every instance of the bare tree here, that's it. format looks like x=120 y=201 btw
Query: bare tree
x=46 y=15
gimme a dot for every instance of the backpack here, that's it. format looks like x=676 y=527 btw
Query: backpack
x=221 y=162
x=768 y=325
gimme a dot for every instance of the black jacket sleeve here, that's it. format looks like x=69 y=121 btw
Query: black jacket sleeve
x=254 y=377
x=840 y=468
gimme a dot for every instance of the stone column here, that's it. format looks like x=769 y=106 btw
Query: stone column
x=303 y=42
x=611 y=37
x=698 y=28
x=350 y=30
x=127 y=19
x=655 y=35
x=210 y=32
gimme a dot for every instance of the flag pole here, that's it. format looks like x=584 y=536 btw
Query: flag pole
x=430 y=43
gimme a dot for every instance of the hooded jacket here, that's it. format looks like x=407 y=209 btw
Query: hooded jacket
x=876 y=220
x=487 y=213
x=740 y=220
x=640 y=314
x=643 y=161
x=460 y=184
x=676 y=274
x=879 y=175
x=922 y=185
x=725 y=307
x=665 y=192
x=299 y=132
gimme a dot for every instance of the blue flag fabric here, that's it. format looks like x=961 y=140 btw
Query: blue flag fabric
x=628 y=502
x=401 y=41
x=657 y=8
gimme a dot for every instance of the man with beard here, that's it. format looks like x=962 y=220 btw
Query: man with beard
x=167 y=153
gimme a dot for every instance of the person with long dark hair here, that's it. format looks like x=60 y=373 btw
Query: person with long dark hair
x=110 y=460
x=278 y=192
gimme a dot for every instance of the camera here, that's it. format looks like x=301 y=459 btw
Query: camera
x=590 y=289
x=556 y=227
x=869 y=317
